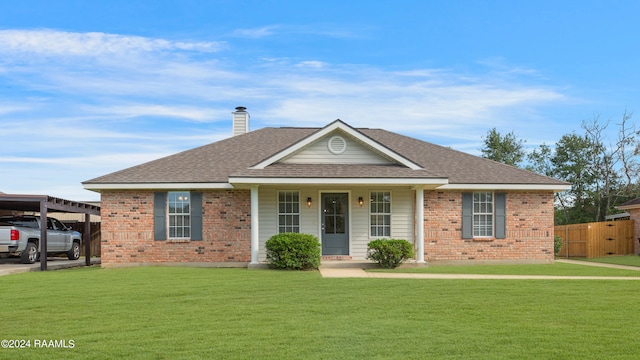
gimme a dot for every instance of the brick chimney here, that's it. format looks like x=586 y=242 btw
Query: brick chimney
x=240 y=121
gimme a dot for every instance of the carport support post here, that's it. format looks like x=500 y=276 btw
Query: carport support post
x=87 y=239
x=43 y=235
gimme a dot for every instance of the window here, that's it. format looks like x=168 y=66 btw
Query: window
x=179 y=213
x=288 y=211
x=482 y=214
x=380 y=213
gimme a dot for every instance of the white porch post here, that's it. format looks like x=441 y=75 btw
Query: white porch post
x=420 y=223
x=255 y=219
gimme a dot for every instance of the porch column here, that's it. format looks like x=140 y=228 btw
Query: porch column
x=420 y=223
x=255 y=233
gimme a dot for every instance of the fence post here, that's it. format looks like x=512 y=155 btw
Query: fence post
x=566 y=240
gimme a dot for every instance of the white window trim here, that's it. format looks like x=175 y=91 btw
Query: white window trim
x=169 y=214
x=278 y=213
x=371 y=192
x=493 y=215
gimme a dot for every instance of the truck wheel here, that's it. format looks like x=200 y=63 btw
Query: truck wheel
x=74 y=253
x=30 y=254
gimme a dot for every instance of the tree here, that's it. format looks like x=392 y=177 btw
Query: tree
x=602 y=174
x=507 y=149
x=614 y=166
x=571 y=163
x=540 y=161
x=628 y=144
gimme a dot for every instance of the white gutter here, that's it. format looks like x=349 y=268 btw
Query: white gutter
x=337 y=181
x=556 y=188
x=158 y=186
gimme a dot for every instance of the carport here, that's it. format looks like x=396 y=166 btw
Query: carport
x=44 y=203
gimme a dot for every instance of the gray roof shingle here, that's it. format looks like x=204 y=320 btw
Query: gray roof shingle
x=216 y=162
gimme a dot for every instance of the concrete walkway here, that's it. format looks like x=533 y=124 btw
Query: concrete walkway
x=354 y=272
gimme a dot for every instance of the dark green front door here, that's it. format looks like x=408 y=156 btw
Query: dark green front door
x=335 y=224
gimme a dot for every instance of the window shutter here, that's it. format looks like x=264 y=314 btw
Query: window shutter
x=160 y=216
x=196 y=216
x=467 y=215
x=501 y=215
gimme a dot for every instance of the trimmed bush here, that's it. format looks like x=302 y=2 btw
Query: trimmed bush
x=293 y=251
x=389 y=253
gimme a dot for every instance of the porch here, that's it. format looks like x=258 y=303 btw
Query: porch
x=343 y=218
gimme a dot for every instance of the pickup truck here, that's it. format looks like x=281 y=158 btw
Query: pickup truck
x=20 y=236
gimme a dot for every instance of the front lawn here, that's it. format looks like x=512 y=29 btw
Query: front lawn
x=201 y=313
x=555 y=269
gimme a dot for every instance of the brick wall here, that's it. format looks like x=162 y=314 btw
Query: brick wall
x=635 y=216
x=127 y=230
x=529 y=229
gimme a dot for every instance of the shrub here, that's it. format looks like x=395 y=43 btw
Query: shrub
x=293 y=251
x=389 y=253
x=557 y=244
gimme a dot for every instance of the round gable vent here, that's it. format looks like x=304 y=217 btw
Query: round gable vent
x=337 y=145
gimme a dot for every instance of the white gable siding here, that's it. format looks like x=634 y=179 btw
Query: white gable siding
x=318 y=153
x=401 y=219
x=268 y=201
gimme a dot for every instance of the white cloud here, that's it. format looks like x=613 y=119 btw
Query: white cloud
x=7 y=109
x=103 y=102
x=256 y=33
x=193 y=113
x=312 y=64
x=93 y=44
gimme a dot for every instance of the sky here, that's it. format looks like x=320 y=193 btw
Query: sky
x=91 y=87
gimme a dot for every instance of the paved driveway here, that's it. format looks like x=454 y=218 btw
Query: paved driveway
x=14 y=266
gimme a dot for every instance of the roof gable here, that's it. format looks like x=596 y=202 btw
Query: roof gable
x=276 y=155
x=337 y=147
x=372 y=151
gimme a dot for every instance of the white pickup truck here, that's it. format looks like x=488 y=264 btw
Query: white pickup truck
x=20 y=236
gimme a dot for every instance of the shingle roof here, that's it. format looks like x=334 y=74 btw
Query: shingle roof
x=632 y=203
x=210 y=163
x=216 y=162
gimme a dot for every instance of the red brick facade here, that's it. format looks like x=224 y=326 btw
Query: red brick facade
x=128 y=223
x=529 y=235
x=635 y=216
x=127 y=230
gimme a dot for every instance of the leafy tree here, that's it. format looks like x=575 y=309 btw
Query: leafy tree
x=571 y=163
x=602 y=174
x=540 y=161
x=507 y=149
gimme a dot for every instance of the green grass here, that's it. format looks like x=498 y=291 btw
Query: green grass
x=629 y=260
x=194 y=313
x=556 y=269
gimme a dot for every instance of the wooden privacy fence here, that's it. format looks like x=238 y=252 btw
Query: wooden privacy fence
x=95 y=236
x=596 y=239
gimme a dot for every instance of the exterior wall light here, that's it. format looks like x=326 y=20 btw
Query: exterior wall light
x=309 y=202
x=360 y=201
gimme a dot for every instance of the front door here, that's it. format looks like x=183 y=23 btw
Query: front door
x=335 y=224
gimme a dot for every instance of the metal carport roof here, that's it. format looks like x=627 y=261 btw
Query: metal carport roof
x=44 y=203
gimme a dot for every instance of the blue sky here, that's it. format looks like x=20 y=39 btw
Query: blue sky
x=91 y=87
